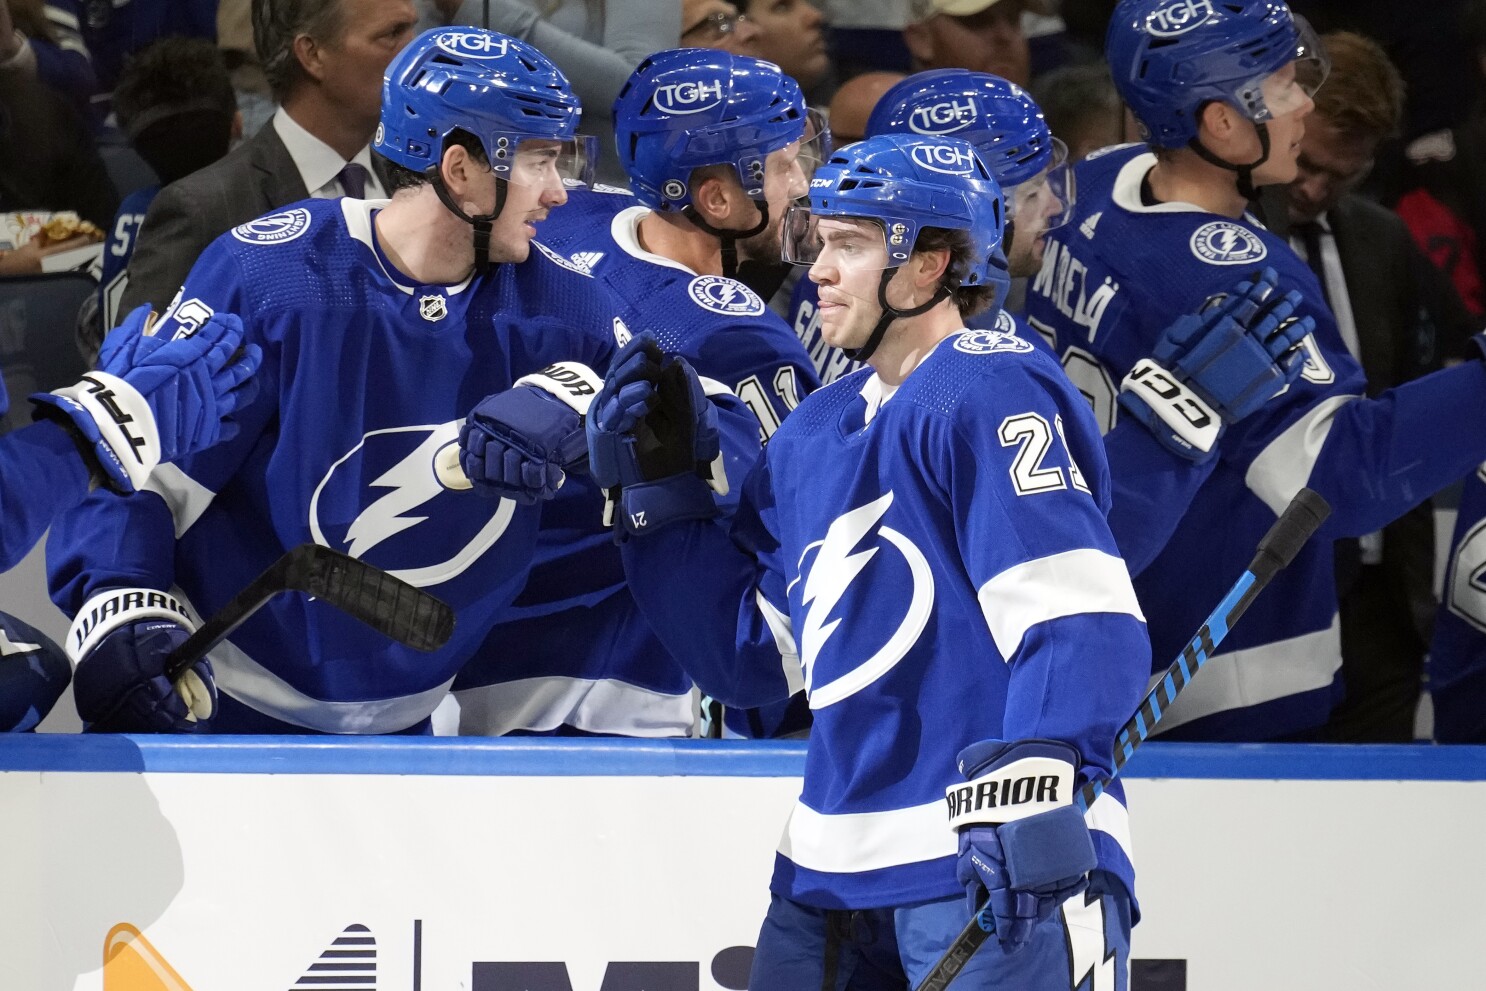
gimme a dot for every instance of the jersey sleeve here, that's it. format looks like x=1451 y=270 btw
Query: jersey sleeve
x=42 y=472
x=112 y=540
x=715 y=595
x=762 y=363
x=1029 y=486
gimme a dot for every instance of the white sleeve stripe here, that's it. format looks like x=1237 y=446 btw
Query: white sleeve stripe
x=1283 y=468
x=186 y=497
x=1067 y=584
x=712 y=387
x=784 y=639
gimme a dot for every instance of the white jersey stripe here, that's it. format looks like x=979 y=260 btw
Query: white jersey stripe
x=591 y=705
x=1283 y=468
x=1068 y=584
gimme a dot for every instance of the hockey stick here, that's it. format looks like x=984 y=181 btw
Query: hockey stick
x=1306 y=512
x=366 y=593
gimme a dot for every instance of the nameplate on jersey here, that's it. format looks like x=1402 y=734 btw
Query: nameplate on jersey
x=276 y=228
x=1023 y=788
x=1223 y=242
x=726 y=296
x=991 y=342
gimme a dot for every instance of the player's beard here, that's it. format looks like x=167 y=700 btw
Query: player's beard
x=766 y=247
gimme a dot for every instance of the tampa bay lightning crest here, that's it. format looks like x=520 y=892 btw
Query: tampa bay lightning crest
x=991 y=342
x=839 y=574
x=276 y=228
x=1223 y=242
x=384 y=502
x=726 y=296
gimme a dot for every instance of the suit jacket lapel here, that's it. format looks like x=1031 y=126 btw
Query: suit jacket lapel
x=278 y=177
x=1365 y=270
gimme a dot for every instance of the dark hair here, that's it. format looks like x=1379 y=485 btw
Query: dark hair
x=276 y=23
x=1074 y=96
x=402 y=177
x=969 y=300
x=175 y=102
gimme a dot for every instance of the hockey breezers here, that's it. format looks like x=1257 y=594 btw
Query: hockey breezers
x=1306 y=512
x=366 y=593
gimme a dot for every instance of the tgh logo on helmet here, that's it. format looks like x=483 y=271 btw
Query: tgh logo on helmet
x=474 y=44
x=688 y=98
x=944 y=118
x=946 y=161
x=1178 y=18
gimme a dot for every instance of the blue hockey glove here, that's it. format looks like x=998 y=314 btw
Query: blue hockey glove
x=1218 y=366
x=1023 y=844
x=153 y=400
x=33 y=675
x=119 y=642
x=522 y=443
x=653 y=441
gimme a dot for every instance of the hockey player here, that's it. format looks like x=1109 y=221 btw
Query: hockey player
x=382 y=323
x=715 y=147
x=150 y=400
x=1007 y=128
x=1221 y=92
x=923 y=545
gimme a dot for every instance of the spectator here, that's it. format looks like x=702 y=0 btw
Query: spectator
x=176 y=105
x=596 y=43
x=1398 y=317
x=867 y=36
x=324 y=60
x=979 y=35
x=792 y=36
x=43 y=40
x=718 y=24
x=853 y=103
x=1083 y=108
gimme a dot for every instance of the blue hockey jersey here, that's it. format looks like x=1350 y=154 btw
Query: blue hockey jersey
x=366 y=377
x=1112 y=279
x=934 y=569
x=575 y=652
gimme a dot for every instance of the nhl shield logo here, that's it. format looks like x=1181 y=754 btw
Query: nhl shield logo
x=432 y=308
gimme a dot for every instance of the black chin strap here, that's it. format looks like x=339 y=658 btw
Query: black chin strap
x=889 y=314
x=481 y=224
x=728 y=238
x=1246 y=187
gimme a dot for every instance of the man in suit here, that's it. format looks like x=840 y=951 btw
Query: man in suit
x=324 y=60
x=1400 y=318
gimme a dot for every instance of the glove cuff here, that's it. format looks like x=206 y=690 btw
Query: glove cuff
x=112 y=608
x=117 y=422
x=1017 y=789
x=572 y=382
x=1178 y=417
x=647 y=506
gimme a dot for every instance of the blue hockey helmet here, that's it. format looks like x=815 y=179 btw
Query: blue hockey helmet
x=998 y=117
x=499 y=89
x=907 y=182
x=691 y=107
x=1170 y=58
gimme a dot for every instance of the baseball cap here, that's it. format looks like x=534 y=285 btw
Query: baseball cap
x=922 y=10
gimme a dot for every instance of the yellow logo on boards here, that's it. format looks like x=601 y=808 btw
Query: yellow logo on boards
x=130 y=963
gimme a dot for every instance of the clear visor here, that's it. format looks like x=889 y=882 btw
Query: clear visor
x=1291 y=87
x=789 y=169
x=1045 y=201
x=815 y=143
x=541 y=163
x=847 y=244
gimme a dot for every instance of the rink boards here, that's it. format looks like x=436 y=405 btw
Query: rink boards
x=238 y=864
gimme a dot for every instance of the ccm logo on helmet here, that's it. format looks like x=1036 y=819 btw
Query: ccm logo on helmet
x=1178 y=18
x=688 y=98
x=943 y=118
x=947 y=161
x=473 y=44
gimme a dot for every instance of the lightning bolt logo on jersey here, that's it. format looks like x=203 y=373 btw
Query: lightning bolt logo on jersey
x=360 y=391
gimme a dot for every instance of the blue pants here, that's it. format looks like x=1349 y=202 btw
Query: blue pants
x=801 y=948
